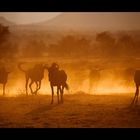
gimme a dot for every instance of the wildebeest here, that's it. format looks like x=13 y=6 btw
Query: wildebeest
x=94 y=77
x=137 y=83
x=3 y=77
x=35 y=74
x=128 y=75
x=57 y=78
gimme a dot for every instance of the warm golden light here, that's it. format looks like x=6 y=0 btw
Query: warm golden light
x=104 y=87
x=93 y=56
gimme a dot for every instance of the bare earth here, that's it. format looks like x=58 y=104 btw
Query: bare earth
x=78 y=110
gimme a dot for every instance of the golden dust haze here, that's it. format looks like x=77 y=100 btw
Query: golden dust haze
x=71 y=39
x=97 y=54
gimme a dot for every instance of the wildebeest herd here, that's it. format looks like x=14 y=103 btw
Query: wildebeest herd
x=58 y=78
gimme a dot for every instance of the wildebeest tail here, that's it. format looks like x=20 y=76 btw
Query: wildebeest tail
x=66 y=86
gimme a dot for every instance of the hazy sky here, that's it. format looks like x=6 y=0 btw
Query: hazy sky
x=28 y=17
x=122 y=20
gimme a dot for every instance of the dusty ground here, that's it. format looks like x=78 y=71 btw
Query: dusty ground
x=79 y=110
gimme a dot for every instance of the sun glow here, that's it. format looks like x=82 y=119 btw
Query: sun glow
x=107 y=87
x=104 y=88
x=108 y=84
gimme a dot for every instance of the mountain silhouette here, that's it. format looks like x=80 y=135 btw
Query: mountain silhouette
x=87 y=21
x=93 y=21
x=6 y=22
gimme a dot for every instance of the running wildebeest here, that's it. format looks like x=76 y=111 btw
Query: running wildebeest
x=137 y=83
x=35 y=74
x=3 y=77
x=57 y=78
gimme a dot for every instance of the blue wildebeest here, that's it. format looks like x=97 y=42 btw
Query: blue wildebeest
x=3 y=77
x=57 y=78
x=35 y=74
x=137 y=84
x=94 y=77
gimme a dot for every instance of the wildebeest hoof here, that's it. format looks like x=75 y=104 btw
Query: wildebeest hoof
x=35 y=92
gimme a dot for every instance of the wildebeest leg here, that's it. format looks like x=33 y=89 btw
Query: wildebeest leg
x=136 y=94
x=35 y=92
x=137 y=99
x=30 y=85
x=52 y=93
x=58 y=88
x=39 y=85
x=26 y=85
x=4 y=89
x=90 y=86
x=62 y=91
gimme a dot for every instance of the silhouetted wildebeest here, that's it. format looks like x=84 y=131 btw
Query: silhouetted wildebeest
x=35 y=74
x=3 y=77
x=137 y=83
x=94 y=77
x=57 y=78
x=128 y=75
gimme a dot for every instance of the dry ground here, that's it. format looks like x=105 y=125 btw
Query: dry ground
x=78 y=110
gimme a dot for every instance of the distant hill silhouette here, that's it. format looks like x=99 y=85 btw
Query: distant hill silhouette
x=88 y=21
x=91 y=21
x=6 y=22
x=68 y=21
